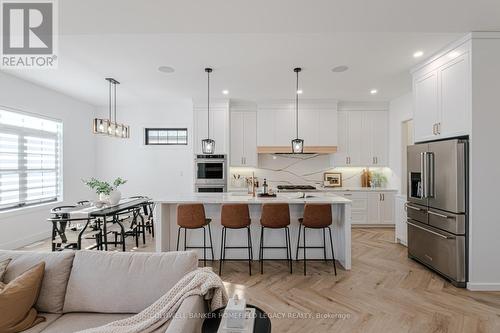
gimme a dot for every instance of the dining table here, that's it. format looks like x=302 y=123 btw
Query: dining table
x=102 y=215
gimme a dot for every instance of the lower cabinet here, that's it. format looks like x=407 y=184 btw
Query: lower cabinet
x=371 y=208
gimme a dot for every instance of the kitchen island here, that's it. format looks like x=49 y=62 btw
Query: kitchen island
x=165 y=216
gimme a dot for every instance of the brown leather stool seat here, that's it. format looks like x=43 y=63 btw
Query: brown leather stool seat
x=316 y=216
x=192 y=216
x=235 y=216
x=275 y=216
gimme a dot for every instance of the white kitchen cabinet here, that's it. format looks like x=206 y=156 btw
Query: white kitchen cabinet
x=362 y=138
x=327 y=128
x=276 y=124
x=375 y=138
x=359 y=206
x=371 y=207
x=441 y=92
x=243 y=139
x=454 y=77
x=426 y=115
x=387 y=208
x=218 y=128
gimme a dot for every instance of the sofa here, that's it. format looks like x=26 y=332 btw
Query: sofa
x=85 y=289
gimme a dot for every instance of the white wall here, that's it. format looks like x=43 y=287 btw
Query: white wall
x=29 y=224
x=150 y=170
x=400 y=109
x=484 y=221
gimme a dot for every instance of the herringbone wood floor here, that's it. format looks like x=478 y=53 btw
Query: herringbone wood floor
x=384 y=292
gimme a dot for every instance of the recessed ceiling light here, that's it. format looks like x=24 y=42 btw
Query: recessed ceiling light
x=166 y=69
x=225 y=92
x=299 y=91
x=340 y=69
x=373 y=91
x=418 y=54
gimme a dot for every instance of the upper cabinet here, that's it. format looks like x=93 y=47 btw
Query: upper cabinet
x=243 y=138
x=441 y=92
x=219 y=121
x=276 y=123
x=363 y=139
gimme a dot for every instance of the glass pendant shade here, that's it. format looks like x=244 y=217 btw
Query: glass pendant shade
x=207 y=146
x=297 y=146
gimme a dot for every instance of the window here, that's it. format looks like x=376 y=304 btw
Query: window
x=166 y=136
x=30 y=160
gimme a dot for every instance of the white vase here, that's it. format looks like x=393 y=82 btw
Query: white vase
x=113 y=198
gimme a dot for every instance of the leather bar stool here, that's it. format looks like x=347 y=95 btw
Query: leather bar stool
x=316 y=216
x=275 y=216
x=235 y=216
x=192 y=216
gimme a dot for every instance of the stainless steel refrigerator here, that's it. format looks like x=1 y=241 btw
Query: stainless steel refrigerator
x=437 y=207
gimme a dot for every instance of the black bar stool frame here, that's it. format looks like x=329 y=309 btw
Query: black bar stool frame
x=304 y=247
x=204 y=247
x=223 y=248
x=288 y=247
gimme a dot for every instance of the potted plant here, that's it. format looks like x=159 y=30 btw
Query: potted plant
x=107 y=193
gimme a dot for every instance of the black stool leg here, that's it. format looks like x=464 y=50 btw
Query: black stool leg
x=178 y=237
x=204 y=248
x=250 y=255
x=261 y=250
x=288 y=251
x=333 y=254
x=298 y=244
x=324 y=244
x=305 y=250
x=211 y=245
x=222 y=247
x=185 y=238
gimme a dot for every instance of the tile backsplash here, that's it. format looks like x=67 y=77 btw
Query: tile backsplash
x=298 y=170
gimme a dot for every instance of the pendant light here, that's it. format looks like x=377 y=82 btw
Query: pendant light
x=297 y=144
x=109 y=126
x=208 y=145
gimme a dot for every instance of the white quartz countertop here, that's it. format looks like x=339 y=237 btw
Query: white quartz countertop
x=220 y=198
x=357 y=189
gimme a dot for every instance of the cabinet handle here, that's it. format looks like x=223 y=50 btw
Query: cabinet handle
x=434 y=129
x=383 y=197
x=376 y=160
x=245 y=160
x=438 y=128
x=430 y=231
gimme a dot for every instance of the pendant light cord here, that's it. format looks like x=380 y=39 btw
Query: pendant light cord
x=297 y=106
x=208 y=104
x=110 y=101
x=114 y=97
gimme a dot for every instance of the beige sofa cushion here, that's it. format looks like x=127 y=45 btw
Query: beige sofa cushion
x=49 y=319
x=74 y=322
x=55 y=280
x=117 y=282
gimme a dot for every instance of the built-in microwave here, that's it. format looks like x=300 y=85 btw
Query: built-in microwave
x=210 y=169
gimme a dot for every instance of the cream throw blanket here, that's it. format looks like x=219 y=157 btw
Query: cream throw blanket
x=201 y=281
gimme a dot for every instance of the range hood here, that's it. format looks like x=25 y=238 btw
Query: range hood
x=288 y=149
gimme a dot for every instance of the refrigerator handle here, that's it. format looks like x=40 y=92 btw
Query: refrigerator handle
x=430 y=174
x=423 y=174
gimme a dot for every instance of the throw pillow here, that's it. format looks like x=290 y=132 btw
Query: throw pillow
x=17 y=299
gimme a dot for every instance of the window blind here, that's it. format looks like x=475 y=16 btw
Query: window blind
x=30 y=160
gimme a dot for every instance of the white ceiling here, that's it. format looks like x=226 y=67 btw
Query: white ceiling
x=252 y=46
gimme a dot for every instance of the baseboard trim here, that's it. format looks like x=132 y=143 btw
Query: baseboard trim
x=18 y=243
x=474 y=286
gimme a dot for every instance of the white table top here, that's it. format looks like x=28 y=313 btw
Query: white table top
x=220 y=198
